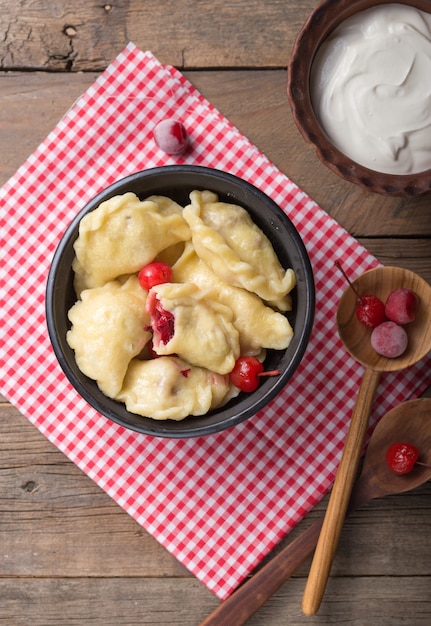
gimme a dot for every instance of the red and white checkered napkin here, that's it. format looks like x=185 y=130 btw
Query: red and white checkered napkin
x=218 y=503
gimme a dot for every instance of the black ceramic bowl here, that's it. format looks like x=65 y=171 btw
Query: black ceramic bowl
x=176 y=182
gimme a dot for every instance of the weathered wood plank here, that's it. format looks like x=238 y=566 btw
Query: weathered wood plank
x=133 y=601
x=104 y=601
x=255 y=102
x=85 y=36
x=412 y=254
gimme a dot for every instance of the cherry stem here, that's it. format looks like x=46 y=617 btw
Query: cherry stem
x=338 y=264
x=422 y=464
x=270 y=373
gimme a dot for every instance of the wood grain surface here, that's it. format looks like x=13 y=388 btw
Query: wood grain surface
x=68 y=554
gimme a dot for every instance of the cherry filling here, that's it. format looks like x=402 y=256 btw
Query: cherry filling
x=162 y=321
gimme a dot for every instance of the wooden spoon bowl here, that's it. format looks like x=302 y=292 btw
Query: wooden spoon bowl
x=380 y=282
x=409 y=422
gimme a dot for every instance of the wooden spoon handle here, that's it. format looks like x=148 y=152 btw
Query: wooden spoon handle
x=340 y=495
x=253 y=594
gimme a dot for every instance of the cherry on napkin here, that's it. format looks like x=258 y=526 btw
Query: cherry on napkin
x=218 y=503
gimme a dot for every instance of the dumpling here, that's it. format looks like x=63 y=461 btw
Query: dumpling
x=227 y=239
x=169 y=388
x=108 y=330
x=259 y=326
x=122 y=235
x=191 y=323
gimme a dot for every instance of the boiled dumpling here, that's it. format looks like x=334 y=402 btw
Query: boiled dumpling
x=191 y=323
x=122 y=235
x=235 y=248
x=169 y=388
x=259 y=326
x=108 y=330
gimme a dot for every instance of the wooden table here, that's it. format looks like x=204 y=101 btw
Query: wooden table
x=69 y=555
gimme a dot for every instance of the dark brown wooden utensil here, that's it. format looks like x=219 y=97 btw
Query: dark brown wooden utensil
x=410 y=421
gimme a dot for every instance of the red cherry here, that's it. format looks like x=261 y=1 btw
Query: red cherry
x=245 y=374
x=401 y=457
x=389 y=340
x=370 y=311
x=155 y=273
x=171 y=136
x=401 y=306
x=247 y=371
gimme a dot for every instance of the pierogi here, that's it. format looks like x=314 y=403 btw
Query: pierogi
x=203 y=333
x=259 y=326
x=122 y=235
x=171 y=388
x=167 y=353
x=227 y=239
x=108 y=331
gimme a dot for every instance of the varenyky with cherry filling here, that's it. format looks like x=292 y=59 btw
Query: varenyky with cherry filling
x=167 y=351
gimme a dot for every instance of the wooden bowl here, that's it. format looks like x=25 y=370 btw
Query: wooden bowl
x=321 y=22
x=356 y=337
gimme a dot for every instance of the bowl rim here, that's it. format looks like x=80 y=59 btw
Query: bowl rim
x=183 y=428
x=322 y=20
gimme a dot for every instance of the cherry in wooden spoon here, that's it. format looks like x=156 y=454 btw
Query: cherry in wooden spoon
x=410 y=421
x=356 y=338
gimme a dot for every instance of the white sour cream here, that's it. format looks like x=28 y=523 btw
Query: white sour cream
x=371 y=88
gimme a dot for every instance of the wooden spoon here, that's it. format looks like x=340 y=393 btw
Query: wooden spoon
x=410 y=422
x=356 y=338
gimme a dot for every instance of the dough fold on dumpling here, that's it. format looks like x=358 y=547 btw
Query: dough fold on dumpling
x=191 y=323
x=259 y=326
x=235 y=248
x=169 y=388
x=122 y=235
x=108 y=330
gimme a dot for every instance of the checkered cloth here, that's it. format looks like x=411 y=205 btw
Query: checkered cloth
x=218 y=503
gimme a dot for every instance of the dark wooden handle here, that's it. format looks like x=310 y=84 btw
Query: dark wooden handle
x=253 y=594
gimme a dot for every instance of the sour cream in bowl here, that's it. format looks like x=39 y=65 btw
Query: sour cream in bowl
x=366 y=97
